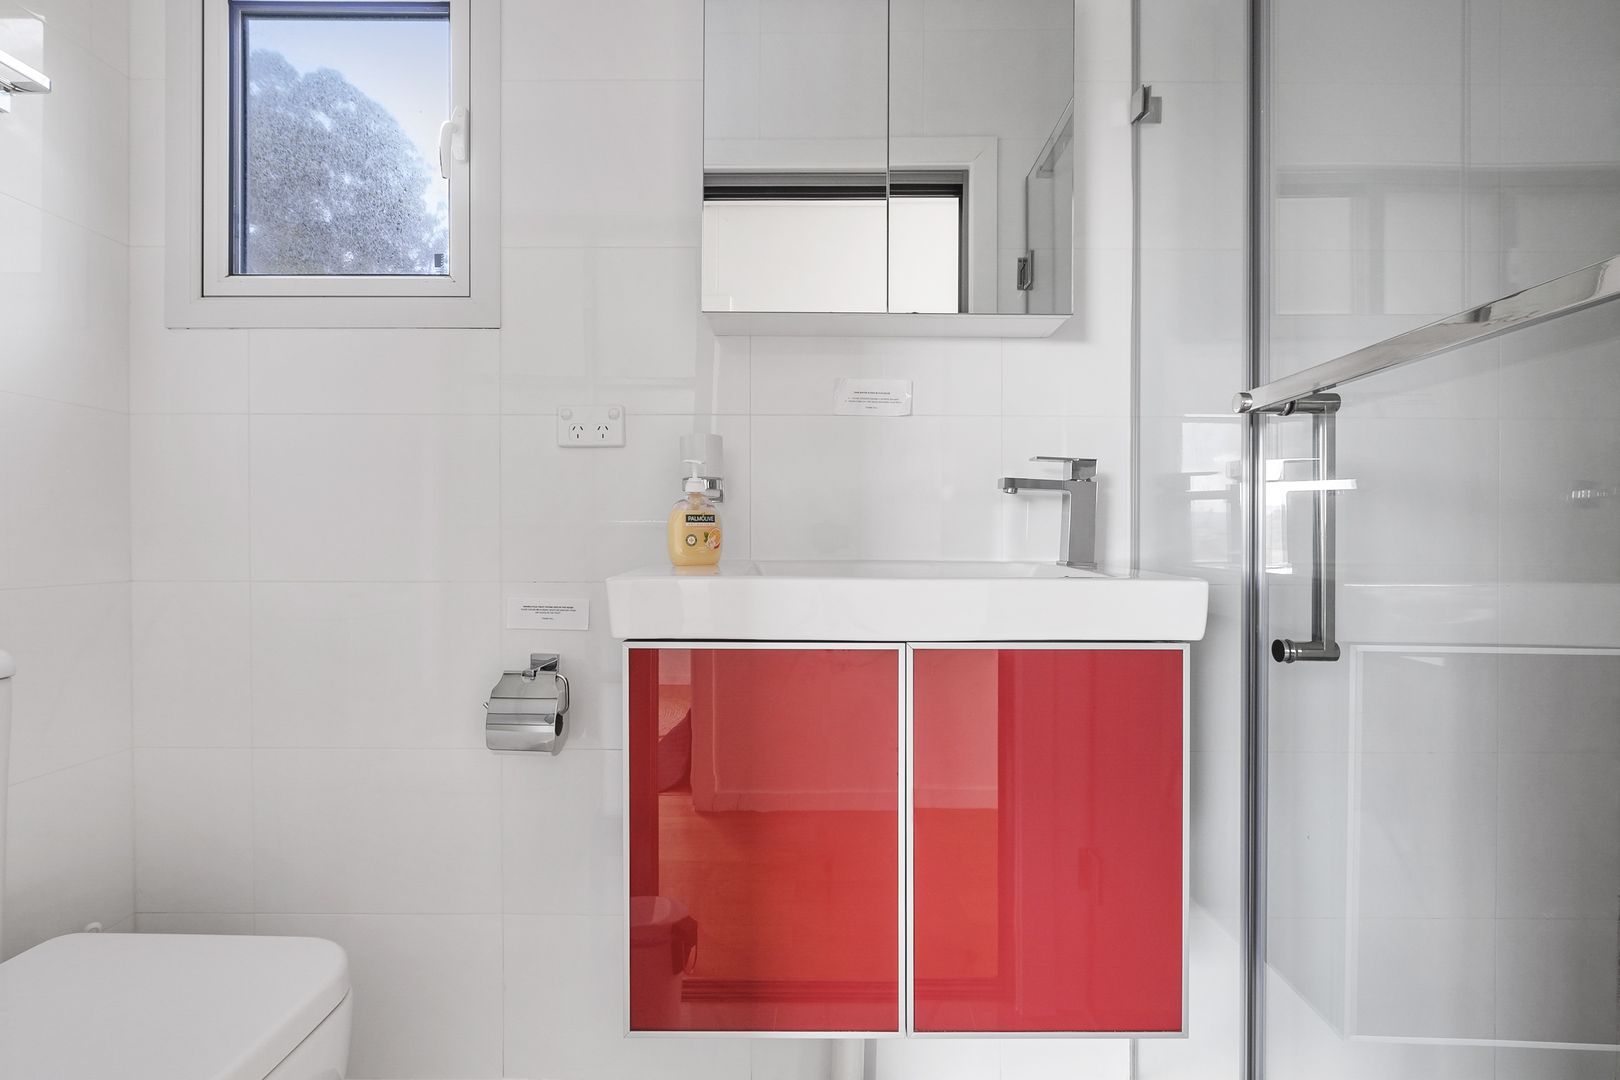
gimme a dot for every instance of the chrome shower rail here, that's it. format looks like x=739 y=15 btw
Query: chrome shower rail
x=1584 y=288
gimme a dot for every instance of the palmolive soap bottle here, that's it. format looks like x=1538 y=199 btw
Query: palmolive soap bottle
x=694 y=524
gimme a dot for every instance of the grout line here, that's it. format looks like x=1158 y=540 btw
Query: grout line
x=64 y=403
x=130 y=750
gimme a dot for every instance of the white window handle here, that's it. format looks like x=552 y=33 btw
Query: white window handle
x=453 y=140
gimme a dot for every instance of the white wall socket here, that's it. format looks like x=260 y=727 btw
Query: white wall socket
x=590 y=425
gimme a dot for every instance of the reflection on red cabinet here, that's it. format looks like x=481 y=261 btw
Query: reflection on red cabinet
x=1047 y=840
x=764 y=839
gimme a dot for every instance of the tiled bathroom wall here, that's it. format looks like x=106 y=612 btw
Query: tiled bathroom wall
x=64 y=437
x=325 y=524
x=1192 y=190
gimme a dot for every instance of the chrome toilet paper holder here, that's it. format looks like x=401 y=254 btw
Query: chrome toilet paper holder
x=527 y=709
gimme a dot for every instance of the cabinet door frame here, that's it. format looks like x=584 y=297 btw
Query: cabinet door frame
x=902 y=720
x=909 y=985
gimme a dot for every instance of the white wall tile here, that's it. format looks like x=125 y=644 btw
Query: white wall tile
x=1560 y=854
x=374 y=371
x=147 y=145
x=1308 y=839
x=1194 y=40
x=568 y=339
x=616 y=39
x=192 y=668
x=383 y=665
x=1426 y=978
x=194 y=830
x=67 y=517
x=63 y=308
x=966 y=86
x=1317 y=41
x=1063 y=1059
x=938 y=1059
x=1558 y=702
x=83 y=172
x=163 y=922
x=146 y=39
x=1427 y=500
x=841 y=487
x=427 y=990
x=64 y=468
x=70 y=697
x=660 y=342
x=562 y=826
x=796 y=376
x=792 y=1059
x=202 y=371
x=824 y=85
x=69 y=852
x=1428 y=835
x=545 y=336
x=1555 y=980
x=189 y=489
x=375 y=498
x=565 y=1009
x=575 y=164
x=376 y=831
x=1057 y=377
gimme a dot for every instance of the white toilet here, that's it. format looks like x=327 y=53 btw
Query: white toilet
x=170 y=1006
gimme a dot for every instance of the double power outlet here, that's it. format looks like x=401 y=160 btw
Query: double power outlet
x=590 y=425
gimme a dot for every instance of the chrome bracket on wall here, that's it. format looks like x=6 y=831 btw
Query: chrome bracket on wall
x=1322 y=409
x=17 y=77
x=1146 y=108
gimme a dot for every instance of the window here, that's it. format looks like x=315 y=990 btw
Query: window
x=835 y=241
x=346 y=164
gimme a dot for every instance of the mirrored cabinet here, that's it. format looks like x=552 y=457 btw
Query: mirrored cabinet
x=888 y=166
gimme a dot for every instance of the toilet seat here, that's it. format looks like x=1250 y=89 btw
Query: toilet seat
x=164 y=1006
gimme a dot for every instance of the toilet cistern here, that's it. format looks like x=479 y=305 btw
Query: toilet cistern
x=1077 y=546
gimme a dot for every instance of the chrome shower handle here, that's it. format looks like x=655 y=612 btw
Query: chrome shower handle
x=1322 y=409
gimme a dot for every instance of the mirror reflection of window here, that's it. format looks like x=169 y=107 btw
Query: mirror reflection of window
x=807 y=241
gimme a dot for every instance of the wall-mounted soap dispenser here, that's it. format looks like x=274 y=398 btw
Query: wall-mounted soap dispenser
x=526 y=709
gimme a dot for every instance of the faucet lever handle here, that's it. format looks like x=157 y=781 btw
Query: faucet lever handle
x=1080 y=468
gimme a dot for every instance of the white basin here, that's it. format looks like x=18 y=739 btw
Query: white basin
x=903 y=601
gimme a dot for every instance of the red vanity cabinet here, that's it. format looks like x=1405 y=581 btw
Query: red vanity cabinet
x=764 y=838
x=1047 y=856
x=892 y=839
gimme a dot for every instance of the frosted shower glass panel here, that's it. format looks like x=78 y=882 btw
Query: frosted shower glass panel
x=1443 y=879
x=336 y=127
x=1484 y=848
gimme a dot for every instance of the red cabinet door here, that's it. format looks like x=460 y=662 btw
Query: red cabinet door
x=764 y=839
x=1047 y=856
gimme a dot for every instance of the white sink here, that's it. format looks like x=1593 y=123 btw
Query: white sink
x=903 y=601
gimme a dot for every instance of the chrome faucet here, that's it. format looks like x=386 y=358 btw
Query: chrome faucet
x=1078 y=545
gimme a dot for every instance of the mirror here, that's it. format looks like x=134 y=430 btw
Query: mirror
x=913 y=156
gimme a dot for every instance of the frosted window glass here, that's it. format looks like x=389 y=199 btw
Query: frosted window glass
x=337 y=128
x=794 y=255
x=925 y=270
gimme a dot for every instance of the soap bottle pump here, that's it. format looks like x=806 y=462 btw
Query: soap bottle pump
x=694 y=523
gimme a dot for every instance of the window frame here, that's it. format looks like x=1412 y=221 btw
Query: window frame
x=202 y=291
